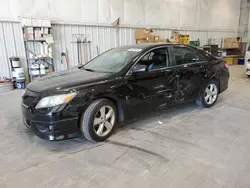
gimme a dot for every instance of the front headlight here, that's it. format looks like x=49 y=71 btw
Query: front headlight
x=55 y=100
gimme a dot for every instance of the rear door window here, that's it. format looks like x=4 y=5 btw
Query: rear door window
x=184 y=55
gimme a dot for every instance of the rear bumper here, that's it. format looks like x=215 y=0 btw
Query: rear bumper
x=50 y=127
x=224 y=79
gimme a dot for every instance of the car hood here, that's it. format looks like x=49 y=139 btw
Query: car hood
x=66 y=79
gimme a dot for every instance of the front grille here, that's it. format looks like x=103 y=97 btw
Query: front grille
x=29 y=97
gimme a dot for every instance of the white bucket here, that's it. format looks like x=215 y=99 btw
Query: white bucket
x=14 y=74
x=15 y=63
x=19 y=73
x=35 y=69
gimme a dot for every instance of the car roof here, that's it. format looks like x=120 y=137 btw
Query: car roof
x=148 y=45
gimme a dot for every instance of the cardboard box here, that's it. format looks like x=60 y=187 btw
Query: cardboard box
x=28 y=30
x=36 y=22
x=231 y=45
x=149 y=39
x=26 y=22
x=156 y=39
x=28 y=36
x=142 y=33
x=233 y=39
x=141 y=41
x=233 y=42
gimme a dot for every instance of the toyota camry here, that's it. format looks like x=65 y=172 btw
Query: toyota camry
x=92 y=99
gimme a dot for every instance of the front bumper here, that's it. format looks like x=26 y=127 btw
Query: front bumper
x=247 y=68
x=50 y=126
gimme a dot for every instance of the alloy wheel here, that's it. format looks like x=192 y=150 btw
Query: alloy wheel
x=104 y=121
x=211 y=94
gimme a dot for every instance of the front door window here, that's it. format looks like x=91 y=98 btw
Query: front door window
x=155 y=59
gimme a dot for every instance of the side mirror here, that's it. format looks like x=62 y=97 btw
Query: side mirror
x=139 y=69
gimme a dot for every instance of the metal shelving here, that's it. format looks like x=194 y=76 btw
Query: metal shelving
x=30 y=46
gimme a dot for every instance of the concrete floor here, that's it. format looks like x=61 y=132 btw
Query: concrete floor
x=183 y=146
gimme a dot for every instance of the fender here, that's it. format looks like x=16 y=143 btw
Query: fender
x=121 y=107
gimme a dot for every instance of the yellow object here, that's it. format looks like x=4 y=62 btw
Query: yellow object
x=186 y=39
x=229 y=60
x=179 y=38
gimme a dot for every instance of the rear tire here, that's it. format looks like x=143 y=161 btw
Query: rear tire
x=248 y=76
x=99 y=120
x=208 y=94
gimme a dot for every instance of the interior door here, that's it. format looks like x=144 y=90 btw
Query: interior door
x=190 y=68
x=156 y=86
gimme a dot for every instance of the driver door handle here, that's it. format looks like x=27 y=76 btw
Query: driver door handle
x=168 y=70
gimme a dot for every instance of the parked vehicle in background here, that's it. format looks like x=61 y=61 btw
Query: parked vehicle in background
x=247 y=62
x=93 y=98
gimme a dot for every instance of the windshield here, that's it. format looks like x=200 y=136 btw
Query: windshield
x=113 y=60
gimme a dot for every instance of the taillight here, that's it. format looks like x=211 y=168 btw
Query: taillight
x=226 y=65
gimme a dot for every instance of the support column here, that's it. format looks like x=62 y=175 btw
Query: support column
x=243 y=21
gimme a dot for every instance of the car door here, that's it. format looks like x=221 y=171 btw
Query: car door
x=190 y=70
x=156 y=86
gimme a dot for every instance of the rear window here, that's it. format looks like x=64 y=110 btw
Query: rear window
x=185 y=55
x=207 y=55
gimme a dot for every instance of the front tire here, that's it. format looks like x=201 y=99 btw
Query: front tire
x=98 y=121
x=248 y=76
x=208 y=95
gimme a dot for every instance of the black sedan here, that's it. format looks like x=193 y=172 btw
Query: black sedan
x=92 y=99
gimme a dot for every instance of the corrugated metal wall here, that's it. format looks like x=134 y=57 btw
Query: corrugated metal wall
x=11 y=41
x=11 y=44
x=109 y=37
